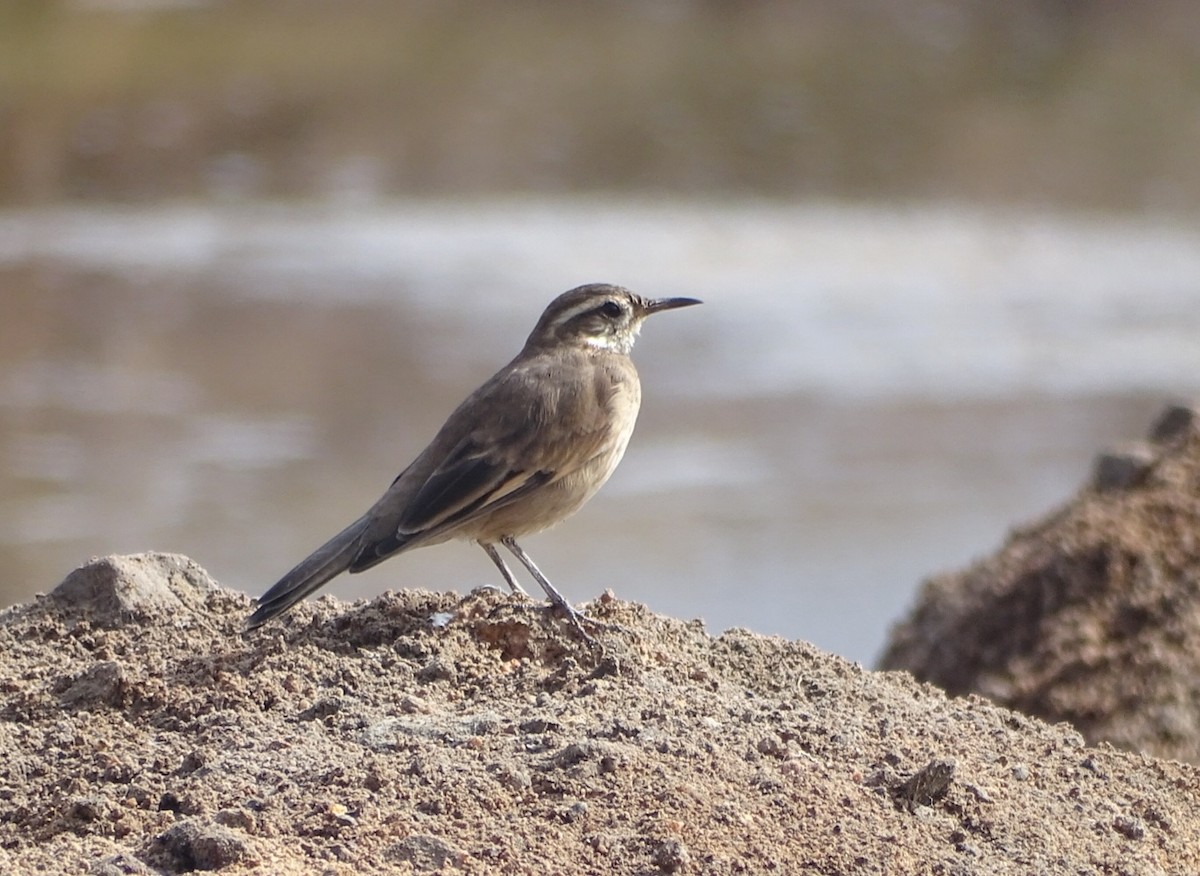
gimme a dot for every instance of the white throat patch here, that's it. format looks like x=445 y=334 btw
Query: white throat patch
x=621 y=343
x=602 y=342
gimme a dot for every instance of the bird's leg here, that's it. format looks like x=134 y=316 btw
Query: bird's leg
x=490 y=550
x=554 y=596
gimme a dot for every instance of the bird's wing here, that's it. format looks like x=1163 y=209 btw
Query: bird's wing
x=469 y=482
x=542 y=427
x=457 y=492
x=474 y=467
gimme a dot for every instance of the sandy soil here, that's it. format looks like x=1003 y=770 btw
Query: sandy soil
x=423 y=732
x=1091 y=615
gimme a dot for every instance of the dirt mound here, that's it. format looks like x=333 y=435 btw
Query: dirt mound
x=1090 y=616
x=423 y=732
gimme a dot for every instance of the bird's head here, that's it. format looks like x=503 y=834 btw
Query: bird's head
x=598 y=315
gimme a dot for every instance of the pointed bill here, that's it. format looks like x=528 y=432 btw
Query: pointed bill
x=654 y=305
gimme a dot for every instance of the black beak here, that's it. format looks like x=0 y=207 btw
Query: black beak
x=654 y=305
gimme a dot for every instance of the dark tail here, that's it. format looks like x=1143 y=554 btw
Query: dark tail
x=323 y=564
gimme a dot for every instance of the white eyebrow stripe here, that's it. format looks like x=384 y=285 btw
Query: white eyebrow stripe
x=578 y=310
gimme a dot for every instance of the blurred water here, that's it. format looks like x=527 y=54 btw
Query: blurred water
x=868 y=395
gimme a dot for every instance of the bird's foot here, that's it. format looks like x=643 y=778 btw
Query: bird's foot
x=578 y=619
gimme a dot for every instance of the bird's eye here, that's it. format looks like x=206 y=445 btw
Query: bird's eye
x=611 y=309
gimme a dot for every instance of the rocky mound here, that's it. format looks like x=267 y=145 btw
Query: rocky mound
x=1090 y=616
x=425 y=732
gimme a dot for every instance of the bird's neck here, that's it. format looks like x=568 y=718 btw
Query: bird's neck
x=608 y=343
x=590 y=344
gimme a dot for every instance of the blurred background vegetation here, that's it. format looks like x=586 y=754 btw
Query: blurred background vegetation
x=1056 y=102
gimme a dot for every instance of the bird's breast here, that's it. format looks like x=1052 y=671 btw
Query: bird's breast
x=585 y=437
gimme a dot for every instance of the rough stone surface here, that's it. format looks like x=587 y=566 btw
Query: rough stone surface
x=112 y=591
x=195 y=845
x=1091 y=615
x=1174 y=423
x=325 y=745
x=1123 y=467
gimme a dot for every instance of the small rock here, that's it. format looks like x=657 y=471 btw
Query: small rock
x=572 y=754
x=426 y=854
x=411 y=705
x=1092 y=765
x=103 y=684
x=115 y=590
x=482 y=723
x=1174 y=421
x=926 y=786
x=235 y=817
x=1130 y=828
x=981 y=794
x=772 y=746
x=575 y=812
x=194 y=845
x=322 y=708
x=192 y=761
x=511 y=776
x=120 y=865
x=538 y=725
x=87 y=809
x=1123 y=467
x=437 y=669
x=670 y=855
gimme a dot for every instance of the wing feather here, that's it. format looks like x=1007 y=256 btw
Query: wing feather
x=542 y=427
x=454 y=486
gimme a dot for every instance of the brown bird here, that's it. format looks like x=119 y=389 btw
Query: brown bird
x=524 y=451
